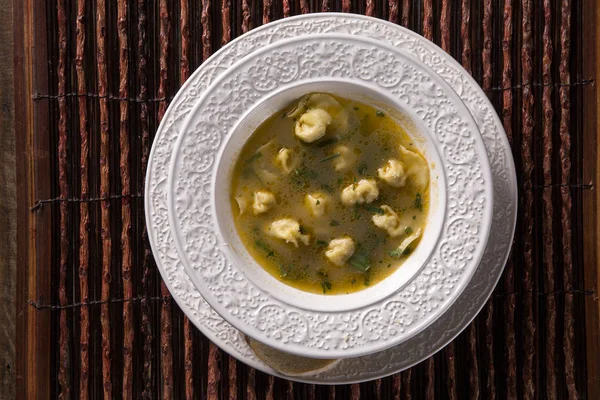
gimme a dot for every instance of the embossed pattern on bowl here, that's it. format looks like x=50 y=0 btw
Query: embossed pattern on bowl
x=331 y=334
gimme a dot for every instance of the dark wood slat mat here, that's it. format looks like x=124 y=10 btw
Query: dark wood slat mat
x=97 y=321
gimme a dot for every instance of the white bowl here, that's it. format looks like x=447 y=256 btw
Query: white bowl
x=266 y=309
x=238 y=253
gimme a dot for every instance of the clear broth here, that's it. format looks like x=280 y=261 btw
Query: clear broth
x=374 y=138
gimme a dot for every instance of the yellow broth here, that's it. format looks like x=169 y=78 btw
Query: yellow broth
x=373 y=138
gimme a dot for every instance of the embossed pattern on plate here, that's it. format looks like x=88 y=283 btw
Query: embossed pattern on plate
x=302 y=330
x=440 y=332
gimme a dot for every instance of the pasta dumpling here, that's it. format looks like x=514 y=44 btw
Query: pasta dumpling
x=388 y=221
x=408 y=241
x=345 y=159
x=264 y=148
x=315 y=100
x=342 y=123
x=242 y=203
x=324 y=101
x=340 y=250
x=316 y=204
x=415 y=167
x=315 y=113
x=312 y=125
x=393 y=224
x=365 y=191
x=285 y=160
x=266 y=177
x=340 y=118
x=263 y=201
x=393 y=173
x=288 y=229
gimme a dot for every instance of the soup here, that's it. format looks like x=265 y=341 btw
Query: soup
x=330 y=195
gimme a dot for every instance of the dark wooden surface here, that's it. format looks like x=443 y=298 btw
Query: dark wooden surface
x=591 y=209
x=94 y=77
x=34 y=178
x=8 y=207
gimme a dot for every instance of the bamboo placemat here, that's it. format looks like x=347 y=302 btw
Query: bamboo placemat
x=93 y=78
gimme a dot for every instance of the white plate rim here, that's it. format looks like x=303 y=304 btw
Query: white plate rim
x=392 y=360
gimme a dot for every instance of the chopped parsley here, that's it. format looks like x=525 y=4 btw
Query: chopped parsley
x=255 y=157
x=360 y=259
x=263 y=246
x=320 y=243
x=367 y=280
x=284 y=270
x=380 y=113
x=334 y=223
x=362 y=169
x=326 y=285
x=331 y=157
x=408 y=230
x=397 y=253
x=300 y=176
x=418 y=202
x=318 y=202
x=373 y=209
x=325 y=282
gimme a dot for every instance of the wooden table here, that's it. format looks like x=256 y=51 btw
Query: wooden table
x=91 y=84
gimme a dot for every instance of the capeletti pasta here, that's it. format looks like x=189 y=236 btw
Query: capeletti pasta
x=330 y=195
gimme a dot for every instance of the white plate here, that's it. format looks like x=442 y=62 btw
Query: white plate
x=264 y=308
x=450 y=324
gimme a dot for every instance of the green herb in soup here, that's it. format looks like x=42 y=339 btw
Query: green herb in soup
x=331 y=198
